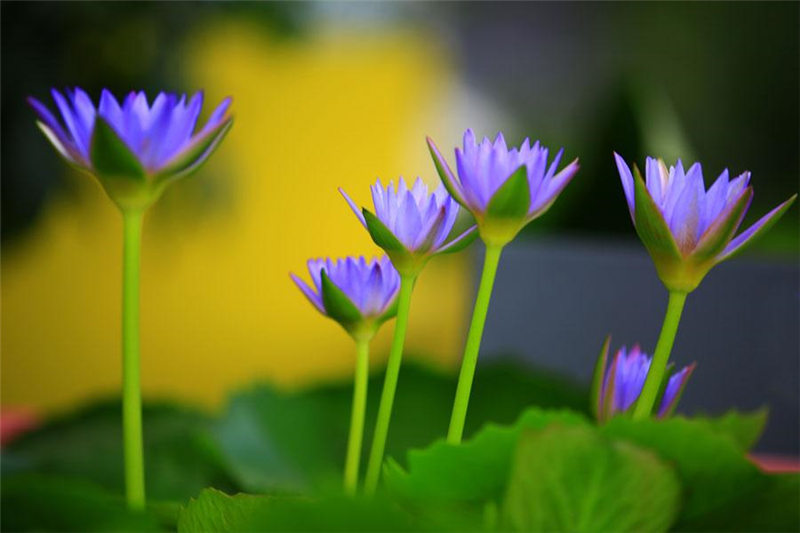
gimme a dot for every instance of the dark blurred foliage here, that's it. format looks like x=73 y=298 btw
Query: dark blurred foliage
x=583 y=75
x=121 y=46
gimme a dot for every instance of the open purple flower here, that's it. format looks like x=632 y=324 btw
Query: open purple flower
x=686 y=228
x=618 y=387
x=357 y=293
x=134 y=147
x=503 y=188
x=411 y=225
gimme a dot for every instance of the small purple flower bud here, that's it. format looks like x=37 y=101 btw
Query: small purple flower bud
x=357 y=293
x=134 y=148
x=411 y=225
x=503 y=188
x=622 y=383
x=686 y=228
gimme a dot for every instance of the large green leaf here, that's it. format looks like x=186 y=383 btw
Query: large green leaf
x=570 y=478
x=475 y=471
x=272 y=439
x=181 y=458
x=744 y=428
x=37 y=503
x=216 y=512
x=717 y=477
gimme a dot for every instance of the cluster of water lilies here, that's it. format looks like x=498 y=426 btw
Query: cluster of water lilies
x=137 y=147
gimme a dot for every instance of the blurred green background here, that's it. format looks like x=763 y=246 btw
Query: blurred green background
x=329 y=94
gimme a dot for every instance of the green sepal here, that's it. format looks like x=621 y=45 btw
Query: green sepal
x=650 y=224
x=596 y=394
x=445 y=174
x=381 y=235
x=337 y=305
x=606 y=408
x=718 y=235
x=193 y=157
x=110 y=156
x=513 y=199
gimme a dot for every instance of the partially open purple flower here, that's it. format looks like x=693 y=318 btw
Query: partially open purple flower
x=503 y=188
x=621 y=384
x=686 y=228
x=136 y=147
x=357 y=293
x=411 y=225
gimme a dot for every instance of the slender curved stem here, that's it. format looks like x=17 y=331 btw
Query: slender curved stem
x=131 y=388
x=470 y=360
x=389 y=385
x=357 y=417
x=647 y=399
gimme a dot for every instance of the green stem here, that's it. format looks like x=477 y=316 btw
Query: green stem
x=357 y=417
x=389 y=385
x=646 y=401
x=131 y=389
x=470 y=360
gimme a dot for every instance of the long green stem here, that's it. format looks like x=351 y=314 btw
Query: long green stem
x=389 y=385
x=357 y=417
x=644 y=405
x=470 y=360
x=131 y=388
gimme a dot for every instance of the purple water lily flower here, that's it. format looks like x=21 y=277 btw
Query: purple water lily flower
x=686 y=228
x=147 y=142
x=357 y=293
x=412 y=224
x=624 y=379
x=503 y=188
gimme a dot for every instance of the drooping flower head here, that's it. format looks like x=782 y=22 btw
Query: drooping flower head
x=618 y=387
x=411 y=225
x=686 y=228
x=503 y=188
x=358 y=294
x=135 y=147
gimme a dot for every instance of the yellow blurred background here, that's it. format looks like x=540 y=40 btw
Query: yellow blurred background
x=217 y=306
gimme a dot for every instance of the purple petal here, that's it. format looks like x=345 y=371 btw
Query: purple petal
x=313 y=297
x=755 y=230
x=458 y=239
x=674 y=387
x=627 y=182
x=685 y=220
x=409 y=221
x=79 y=136
x=554 y=188
x=354 y=207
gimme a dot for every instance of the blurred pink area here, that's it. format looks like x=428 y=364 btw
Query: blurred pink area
x=776 y=464
x=16 y=421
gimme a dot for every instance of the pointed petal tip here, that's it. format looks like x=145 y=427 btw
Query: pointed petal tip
x=358 y=212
